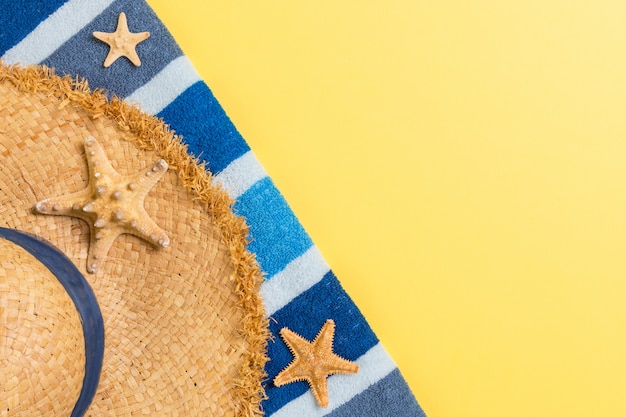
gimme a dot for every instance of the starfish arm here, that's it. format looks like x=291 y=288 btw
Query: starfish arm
x=97 y=160
x=290 y=374
x=103 y=36
x=122 y=23
x=112 y=56
x=338 y=365
x=145 y=228
x=67 y=205
x=143 y=181
x=131 y=51
x=137 y=188
x=297 y=344
x=100 y=243
x=141 y=36
x=132 y=56
x=324 y=339
x=320 y=391
x=122 y=28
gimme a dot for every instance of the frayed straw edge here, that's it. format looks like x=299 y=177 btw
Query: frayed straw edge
x=150 y=133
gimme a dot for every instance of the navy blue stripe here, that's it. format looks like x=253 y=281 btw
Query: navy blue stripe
x=84 y=55
x=276 y=235
x=205 y=127
x=83 y=297
x=389 y=397
x=306 y=315
x=19 y=18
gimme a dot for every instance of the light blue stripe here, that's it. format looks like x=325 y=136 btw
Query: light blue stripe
x=301 y=274
x=277 y=237
x=19 y=18
x=240 y=175
x=166 y=86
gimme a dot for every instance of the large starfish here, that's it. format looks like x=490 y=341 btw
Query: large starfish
x=111 y=204
x=314 y=361
x=122 y=42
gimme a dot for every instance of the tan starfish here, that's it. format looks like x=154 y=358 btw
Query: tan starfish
x=314 y=361
x=111 y=204
x=122 y=42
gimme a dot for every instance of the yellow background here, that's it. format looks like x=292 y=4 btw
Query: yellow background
x=462 y=167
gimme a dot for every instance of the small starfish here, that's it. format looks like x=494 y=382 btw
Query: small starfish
x=122 y=42
x=112 y=204
x=314 y=361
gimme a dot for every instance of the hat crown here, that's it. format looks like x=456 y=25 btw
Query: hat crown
x=42 y=352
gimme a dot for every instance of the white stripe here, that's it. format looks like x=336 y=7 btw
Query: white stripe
x=374 y=365
x=298 y=276
x=241 y=174
x=168 y=84
x=53 y=32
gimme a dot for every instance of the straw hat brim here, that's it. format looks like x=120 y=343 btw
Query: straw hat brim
x=185 y=327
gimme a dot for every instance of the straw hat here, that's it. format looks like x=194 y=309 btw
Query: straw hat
x=115 y=207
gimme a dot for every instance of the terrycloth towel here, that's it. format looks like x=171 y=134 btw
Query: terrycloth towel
x=301 y=291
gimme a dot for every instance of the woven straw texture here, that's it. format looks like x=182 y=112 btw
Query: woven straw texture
x=42 y=347
x=185 y=330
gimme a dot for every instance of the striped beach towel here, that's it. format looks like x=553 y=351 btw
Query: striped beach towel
x=301 y=292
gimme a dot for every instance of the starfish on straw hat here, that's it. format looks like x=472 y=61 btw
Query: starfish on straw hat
x=111 y=204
